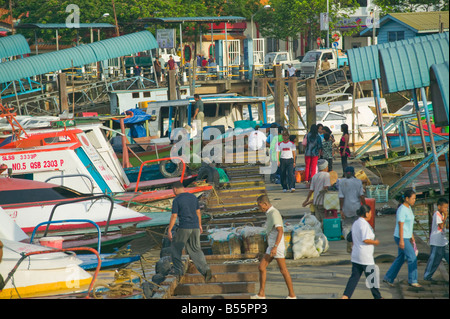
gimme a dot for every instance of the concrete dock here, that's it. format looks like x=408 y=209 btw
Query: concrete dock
x=325 y=277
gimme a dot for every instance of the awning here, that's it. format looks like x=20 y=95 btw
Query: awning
x=77 y=56
x=13 y=45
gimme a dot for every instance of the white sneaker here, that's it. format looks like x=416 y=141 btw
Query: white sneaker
x=284 y=190
x=288 y=297
x=257 y=297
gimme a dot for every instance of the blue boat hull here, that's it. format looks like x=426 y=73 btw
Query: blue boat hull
x=397 y=140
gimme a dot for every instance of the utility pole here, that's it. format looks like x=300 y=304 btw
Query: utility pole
x=122 y=62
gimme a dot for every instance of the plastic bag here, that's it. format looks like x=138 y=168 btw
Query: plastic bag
x=303 y=244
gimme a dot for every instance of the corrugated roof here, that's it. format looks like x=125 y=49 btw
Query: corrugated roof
x=63 y=26
x=192 y=19
x=407 y=67
x=13 y=45
x=423 y=21
x=420 y=22
x=439 y=90
x=80 y=55
x=364 y=62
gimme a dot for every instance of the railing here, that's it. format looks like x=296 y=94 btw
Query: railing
x=82 y=200
x=69 y=221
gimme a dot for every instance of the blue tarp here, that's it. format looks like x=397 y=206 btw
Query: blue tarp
x=136 y=122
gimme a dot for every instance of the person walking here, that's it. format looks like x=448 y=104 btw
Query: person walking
x=286 y=155
x=198 y=110
x=319 y=185
x=404 y=238
x=438 y=241
x=364 y=242
x=157 y=66
x=351 y=196
x=185 y=207
x=275 y=249
x=343 y=146
x=312 y=152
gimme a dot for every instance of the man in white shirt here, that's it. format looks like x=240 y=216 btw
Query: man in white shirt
x=256 y=140
x=275 y=249
x=291 y=70
x=286 y=154
x=351 y=196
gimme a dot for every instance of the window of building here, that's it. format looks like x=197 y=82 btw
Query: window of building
x=135 y=95
x=396 y=36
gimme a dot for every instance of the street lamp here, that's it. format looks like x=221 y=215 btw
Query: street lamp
x=267 y=6
x=105 y=15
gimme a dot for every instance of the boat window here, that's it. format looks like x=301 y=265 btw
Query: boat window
x=210 y=109
x=37 y=195
x=334 y=117
x=135 y=95
x=56 y=139
x=224 y=109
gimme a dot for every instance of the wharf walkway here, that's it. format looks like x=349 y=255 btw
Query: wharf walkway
x=325 y=277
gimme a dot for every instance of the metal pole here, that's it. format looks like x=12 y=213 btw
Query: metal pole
x=376 y=91
x=422 y=134
x=430 y=134
x=328 y=25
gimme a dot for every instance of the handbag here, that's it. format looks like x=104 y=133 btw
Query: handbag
x=305 y=140
x=331 y=201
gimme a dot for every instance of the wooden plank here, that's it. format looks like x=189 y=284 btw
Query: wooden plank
x=221 y=277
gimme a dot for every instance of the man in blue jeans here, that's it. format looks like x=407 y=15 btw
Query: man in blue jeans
x=185 y=207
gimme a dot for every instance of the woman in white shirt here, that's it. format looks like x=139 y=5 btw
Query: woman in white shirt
x=364 y=241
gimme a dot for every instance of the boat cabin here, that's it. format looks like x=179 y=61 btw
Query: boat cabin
x=221 y=111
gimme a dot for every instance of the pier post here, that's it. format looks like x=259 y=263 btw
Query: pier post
x=310 y=102
x=62 y=92
x=293 y=104
x=279 y=95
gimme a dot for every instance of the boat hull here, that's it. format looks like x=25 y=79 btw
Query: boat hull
x=397 y=140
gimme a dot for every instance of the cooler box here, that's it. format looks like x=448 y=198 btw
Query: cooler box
x=332 y=226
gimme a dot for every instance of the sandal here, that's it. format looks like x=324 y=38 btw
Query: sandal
x=416 y=285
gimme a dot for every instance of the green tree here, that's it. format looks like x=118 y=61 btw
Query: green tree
x=288 y=18
x=392 y=6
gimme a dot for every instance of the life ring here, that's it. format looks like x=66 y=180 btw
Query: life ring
x=168 y=173
x=210 y=174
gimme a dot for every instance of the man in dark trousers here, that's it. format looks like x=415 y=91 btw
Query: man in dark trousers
x=185 y=207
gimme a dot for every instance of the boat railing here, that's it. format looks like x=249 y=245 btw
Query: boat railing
x=73 y=175
x=160 y=160
x=83 y=200
x=26 y=255
x=69 y=221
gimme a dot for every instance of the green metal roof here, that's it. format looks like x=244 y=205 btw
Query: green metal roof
x=80 y=55
x=419 y=22
x=407 y=67
x=64 y=26
x=364 y=62
x=13 y=45
x=192 y=19
x=439 y=90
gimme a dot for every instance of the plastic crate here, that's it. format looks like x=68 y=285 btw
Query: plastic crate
x=379 y=192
